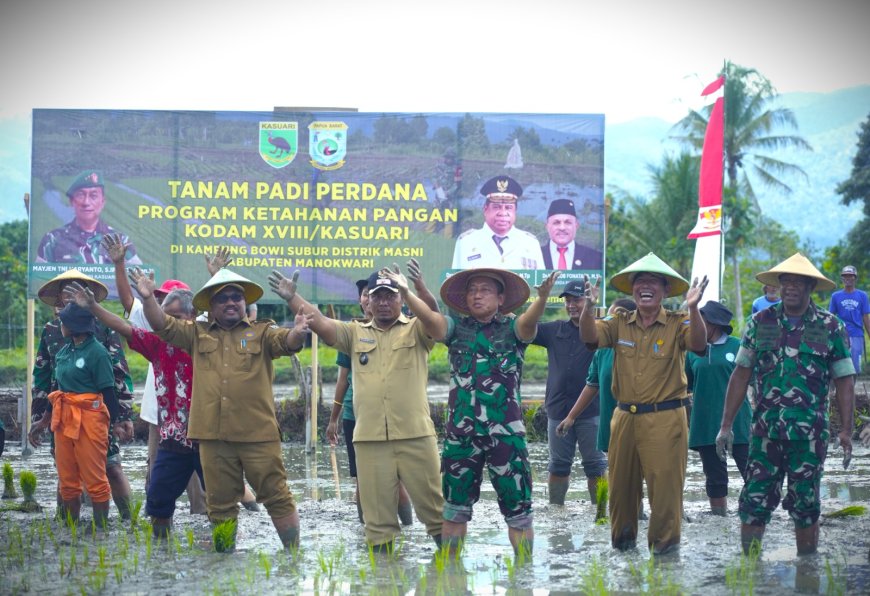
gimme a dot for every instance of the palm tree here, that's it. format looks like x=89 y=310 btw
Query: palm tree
x=661 y=223
x=753 y=123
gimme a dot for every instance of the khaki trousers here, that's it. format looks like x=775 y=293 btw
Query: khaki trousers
x=649 y=447
x=226 y=464
x=380 y=465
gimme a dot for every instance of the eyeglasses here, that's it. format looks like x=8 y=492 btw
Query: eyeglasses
x=224 y=298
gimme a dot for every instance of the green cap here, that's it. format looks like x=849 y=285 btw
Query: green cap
x=87 y=179
x=623 y=280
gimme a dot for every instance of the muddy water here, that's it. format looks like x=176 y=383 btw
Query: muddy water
x=571 y=554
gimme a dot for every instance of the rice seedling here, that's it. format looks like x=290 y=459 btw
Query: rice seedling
x=852 y=510
x=836 y=577
x=593 y=581
x=265 y=564
x=9 y=482
x=224 y=536
x=602 y=494
x=650 y=579
x=190 y=538
x=27 y=480
x=740 y=576
x=135 y=512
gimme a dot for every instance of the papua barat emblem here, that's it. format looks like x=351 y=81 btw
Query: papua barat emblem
x=279 y=142
x=327 y=144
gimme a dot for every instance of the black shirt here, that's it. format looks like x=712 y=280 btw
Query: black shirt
x=568 y=363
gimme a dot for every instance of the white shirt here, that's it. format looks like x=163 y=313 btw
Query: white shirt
x=554 y=254
x=477 y=248
x=149 y=394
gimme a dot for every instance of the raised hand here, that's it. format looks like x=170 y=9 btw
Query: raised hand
x=79 y=294
x=592 y=289
x=302 y=321
x=144 y=283
x=415 y=274
x=116 y=248
x=395 y=275
x=696 y=292
x=283 y=286
x=547 y=285
x=217 y=261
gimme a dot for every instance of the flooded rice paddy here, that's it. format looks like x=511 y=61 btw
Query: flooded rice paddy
x=572 y=555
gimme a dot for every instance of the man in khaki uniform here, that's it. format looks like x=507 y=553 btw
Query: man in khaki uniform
x=232 y=407
x=649 y=431
x=394 y=437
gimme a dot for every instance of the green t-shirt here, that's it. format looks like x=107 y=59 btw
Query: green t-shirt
x=601 y=375
x=343 y=360
x=708 y=377
x=84 y=368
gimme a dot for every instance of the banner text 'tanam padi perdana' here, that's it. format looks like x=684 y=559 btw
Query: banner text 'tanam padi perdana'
x=335 y=195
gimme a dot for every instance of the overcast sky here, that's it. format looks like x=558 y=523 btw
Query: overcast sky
x=623 y=59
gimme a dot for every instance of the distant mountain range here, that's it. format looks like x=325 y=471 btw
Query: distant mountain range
x=828 y=121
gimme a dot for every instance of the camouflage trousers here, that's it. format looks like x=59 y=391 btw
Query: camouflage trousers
x=770 y=462
x=507 y=461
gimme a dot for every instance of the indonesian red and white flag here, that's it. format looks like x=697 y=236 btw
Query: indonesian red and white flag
x=710 y=182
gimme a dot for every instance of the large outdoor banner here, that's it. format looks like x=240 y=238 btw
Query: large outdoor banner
x=335 y=195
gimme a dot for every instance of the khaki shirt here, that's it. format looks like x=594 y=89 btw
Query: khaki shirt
x=648 y=364
x=232 y=377
x=390 y=374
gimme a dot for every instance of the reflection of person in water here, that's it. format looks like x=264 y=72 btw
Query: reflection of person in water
x=80 y=241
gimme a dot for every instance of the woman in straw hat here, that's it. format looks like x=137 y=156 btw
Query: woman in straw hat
x=793 y=350
x=44 y=381
x=649 y=432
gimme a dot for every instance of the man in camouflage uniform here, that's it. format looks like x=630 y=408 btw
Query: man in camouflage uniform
x=794 y=349
x=80 y=241
x=485 y=422
x=50 y=343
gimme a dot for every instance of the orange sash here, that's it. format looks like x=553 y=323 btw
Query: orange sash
x=67 y=410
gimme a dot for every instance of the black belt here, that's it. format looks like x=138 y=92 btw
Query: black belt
x=647 y=408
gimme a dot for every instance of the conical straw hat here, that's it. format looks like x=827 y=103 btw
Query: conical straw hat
x=516 y=290
x=253 y=292
x=649 y=264
x=797 y=264
x=50 y=291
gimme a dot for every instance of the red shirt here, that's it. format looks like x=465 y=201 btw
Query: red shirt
x=173 y=378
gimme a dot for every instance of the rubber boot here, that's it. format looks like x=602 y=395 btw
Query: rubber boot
x=558 y=488
x=359 y=511
x=101 y=514
x=385 y=549
x=719 y=506
x=70 y=509
x=750 y=534
x=437 y=539
x=406 y=514
x=288 y=530
x=807 y=539
x=123 y=505
x=251 y=505
x=161 y=527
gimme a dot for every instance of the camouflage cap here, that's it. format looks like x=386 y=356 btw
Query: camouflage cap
x=797 y=264
x=87 y=179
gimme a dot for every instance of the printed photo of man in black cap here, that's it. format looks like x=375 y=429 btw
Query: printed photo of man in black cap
x=562 y=251
x=80 y=241
x=498 y=243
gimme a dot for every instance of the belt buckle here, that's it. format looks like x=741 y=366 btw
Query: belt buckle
x=632 y=408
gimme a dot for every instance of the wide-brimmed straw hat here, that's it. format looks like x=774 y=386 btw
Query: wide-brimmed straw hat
x=221 y=279
x=797 y=264
x=623 y=280
x=516 y=290
x=51 y=290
